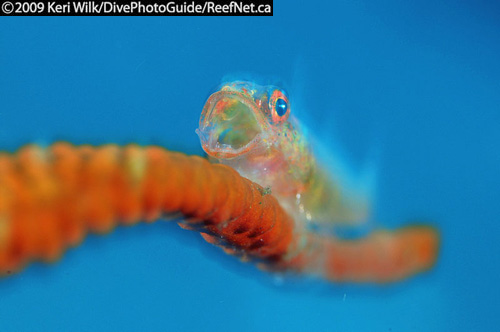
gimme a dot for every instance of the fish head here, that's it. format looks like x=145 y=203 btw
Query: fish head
x=250 y=128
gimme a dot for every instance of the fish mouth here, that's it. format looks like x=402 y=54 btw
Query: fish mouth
x=230 y=125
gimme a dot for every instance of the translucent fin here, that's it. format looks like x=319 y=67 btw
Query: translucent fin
x=338 y=195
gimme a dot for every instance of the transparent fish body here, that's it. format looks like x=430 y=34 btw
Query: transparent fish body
x=250 y=128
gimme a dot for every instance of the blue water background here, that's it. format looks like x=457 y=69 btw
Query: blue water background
x=419 y=83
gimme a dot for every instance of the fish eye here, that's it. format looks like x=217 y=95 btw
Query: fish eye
x=281 y=106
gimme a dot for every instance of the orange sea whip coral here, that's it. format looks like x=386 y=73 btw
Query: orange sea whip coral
x=51 y=197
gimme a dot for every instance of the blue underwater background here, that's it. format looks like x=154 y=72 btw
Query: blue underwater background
x=417 y=82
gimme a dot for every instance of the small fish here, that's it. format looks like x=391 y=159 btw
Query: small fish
x=250 y=128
